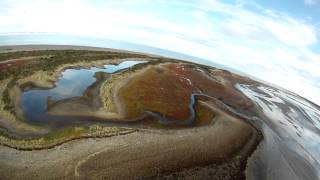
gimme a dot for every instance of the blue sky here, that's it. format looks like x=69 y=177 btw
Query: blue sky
x=276 y=41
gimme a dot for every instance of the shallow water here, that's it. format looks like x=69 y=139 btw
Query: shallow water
x=72 y=83
x=291 y=127
x=290 y=124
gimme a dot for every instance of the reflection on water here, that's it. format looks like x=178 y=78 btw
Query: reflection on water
x=72 y=83
x=291 y=124
x=295 y=123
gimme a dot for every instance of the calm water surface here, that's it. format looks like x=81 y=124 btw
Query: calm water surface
x=72 y=83
x=290 y=124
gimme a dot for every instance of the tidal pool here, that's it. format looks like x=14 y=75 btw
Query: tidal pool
x=72 y=83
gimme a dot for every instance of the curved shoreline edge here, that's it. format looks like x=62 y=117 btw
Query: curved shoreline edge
x=125 y=133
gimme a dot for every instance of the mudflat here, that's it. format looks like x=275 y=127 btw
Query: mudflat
x=163 y=118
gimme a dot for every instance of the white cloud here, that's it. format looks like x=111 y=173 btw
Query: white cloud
x=269 y=45
x=311 y=2
x=292 y=33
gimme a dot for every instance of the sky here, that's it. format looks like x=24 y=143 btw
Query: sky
x=276 y=41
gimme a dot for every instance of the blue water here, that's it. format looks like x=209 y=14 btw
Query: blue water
x=72 y=83
x=289 y=123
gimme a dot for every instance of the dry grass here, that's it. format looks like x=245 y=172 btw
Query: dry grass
x=44 y=79
x=61 y=136
x=9 y=121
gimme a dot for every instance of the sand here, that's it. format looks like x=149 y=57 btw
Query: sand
x=217 y=151
x=146 y=153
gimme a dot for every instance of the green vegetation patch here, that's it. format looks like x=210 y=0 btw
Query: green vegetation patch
x=42 y=64
x=53 y=59
x=61 y=136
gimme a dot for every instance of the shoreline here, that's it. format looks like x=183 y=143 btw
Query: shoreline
x=119 y=145
x=146 y=140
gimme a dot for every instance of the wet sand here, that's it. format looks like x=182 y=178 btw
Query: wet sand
x=218 y=150
x=143 y=154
